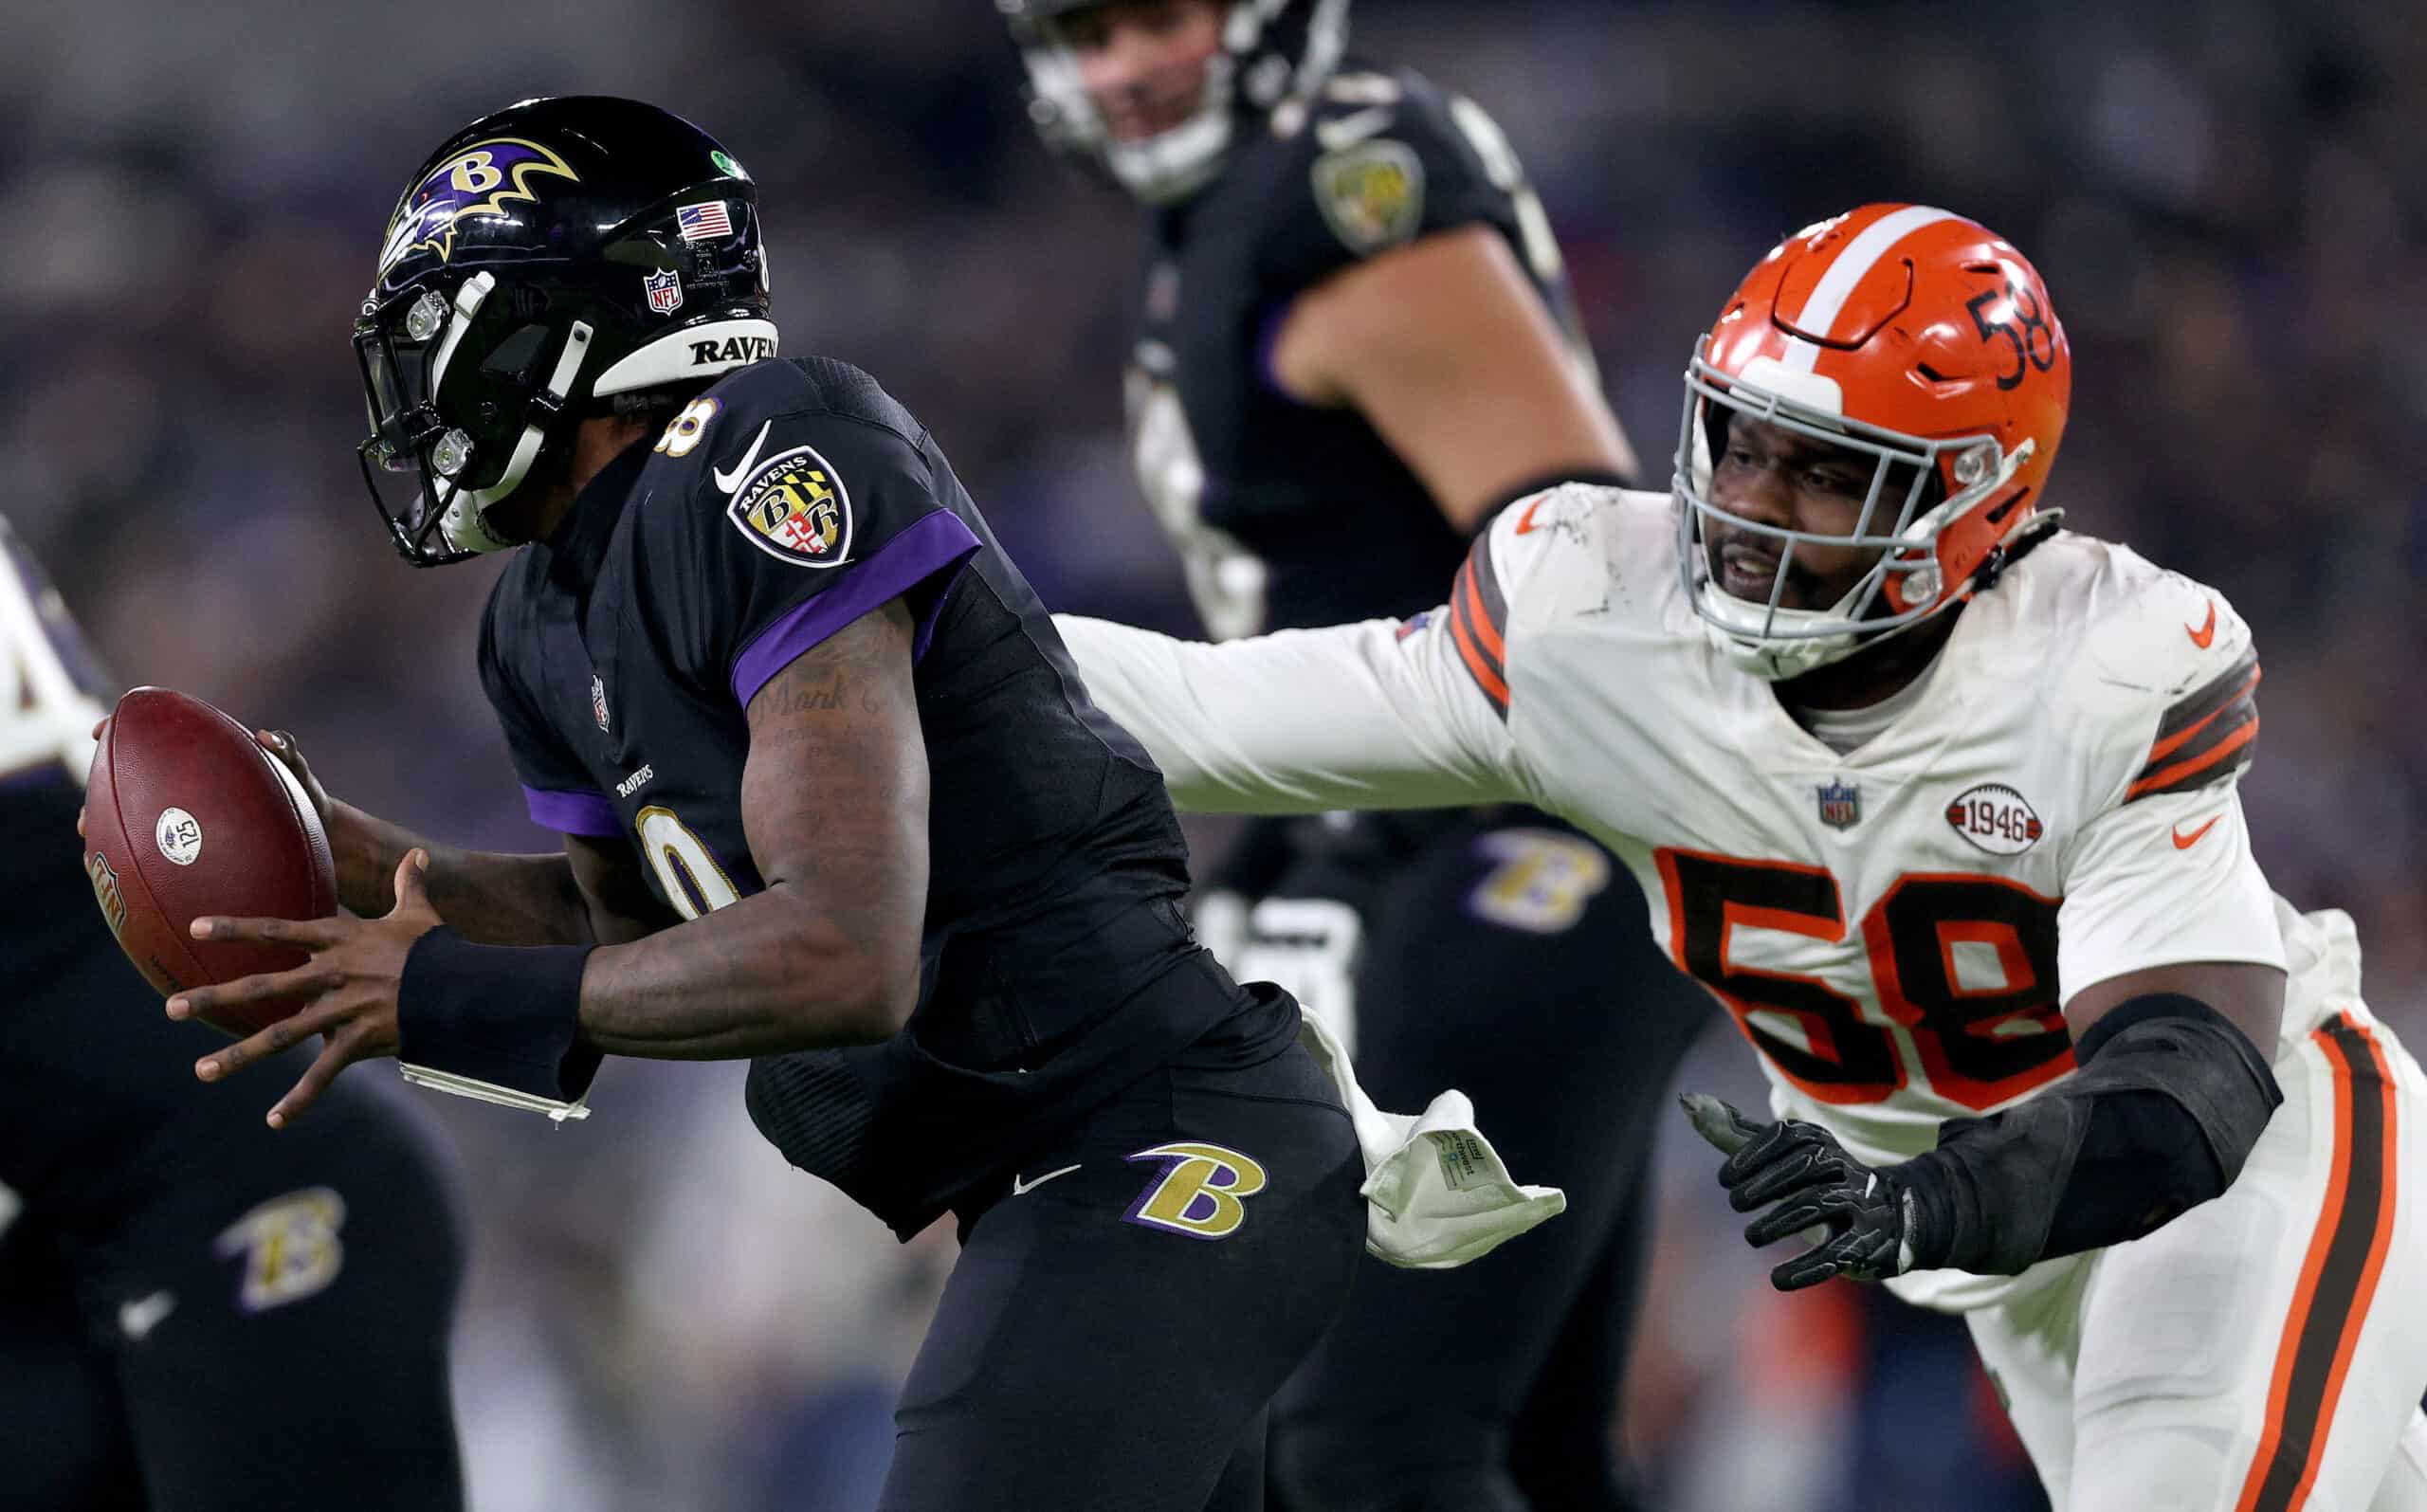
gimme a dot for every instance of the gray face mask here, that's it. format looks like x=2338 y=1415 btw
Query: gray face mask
x=1251 y=73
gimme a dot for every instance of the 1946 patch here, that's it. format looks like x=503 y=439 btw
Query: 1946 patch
x=796 y=509
x=1372 y=194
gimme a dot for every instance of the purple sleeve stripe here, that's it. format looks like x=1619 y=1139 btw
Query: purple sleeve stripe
x=572 y=814
x=933 y=543
x=1267 y=342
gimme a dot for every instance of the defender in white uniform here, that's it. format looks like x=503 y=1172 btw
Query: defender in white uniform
x=1938 y=802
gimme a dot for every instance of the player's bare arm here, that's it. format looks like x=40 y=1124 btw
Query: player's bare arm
x=1411 y=336
x=826 y=954
x=2250 y=997
x=494 y=897
x=835 y=799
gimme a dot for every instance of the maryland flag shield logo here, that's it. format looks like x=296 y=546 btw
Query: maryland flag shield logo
x=796 y=509
x=1371 y=194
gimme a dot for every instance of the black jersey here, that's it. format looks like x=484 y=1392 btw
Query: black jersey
x=1288 y=515
x=789 y=499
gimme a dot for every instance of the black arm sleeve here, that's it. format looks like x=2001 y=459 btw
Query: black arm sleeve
x=2167 y=1104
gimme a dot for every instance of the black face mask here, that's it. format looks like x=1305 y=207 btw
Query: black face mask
x=400 y=461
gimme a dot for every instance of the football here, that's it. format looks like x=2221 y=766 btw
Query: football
x=185 y=815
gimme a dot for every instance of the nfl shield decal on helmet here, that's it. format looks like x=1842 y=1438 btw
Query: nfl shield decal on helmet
x=664 y=291
x=796 y=509
x=1840 y=804
x=598 y=700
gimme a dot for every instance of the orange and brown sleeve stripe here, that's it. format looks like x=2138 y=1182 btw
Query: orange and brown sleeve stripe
x=1479 y=623
x=2338 y=1279
x=2206 y=737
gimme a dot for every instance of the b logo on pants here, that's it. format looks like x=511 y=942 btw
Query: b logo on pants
x=1198 y=1191
x=290 y=1246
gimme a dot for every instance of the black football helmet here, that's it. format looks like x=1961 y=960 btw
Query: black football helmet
x=1273 y=52
x=543 y=260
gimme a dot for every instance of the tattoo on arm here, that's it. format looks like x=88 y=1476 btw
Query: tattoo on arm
x=834 y=805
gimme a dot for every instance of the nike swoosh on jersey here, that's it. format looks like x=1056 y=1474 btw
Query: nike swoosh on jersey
x=2183 y=841
x=2206 y=633
x=1021 y=1188
x=730 y=482
x=140 y=1317
x=1350 y=130
x=1525 y=520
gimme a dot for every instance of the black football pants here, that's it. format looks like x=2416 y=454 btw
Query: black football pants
x=1127 y=1303
x=1504 y=953
x=268 y=1334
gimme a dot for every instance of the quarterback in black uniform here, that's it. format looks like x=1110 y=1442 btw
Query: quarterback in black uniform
x=1355 y=342
x=195 y=1314
x=763 y=666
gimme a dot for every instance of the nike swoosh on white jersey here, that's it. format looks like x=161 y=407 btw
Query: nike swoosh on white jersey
x=140 y=1317
x=730 y=482
x=1350 y=130
x=1021 y=1188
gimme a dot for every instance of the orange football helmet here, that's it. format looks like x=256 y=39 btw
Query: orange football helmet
x=1914 y=336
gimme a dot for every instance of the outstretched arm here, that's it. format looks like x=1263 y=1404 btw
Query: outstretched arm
x=1372 y=716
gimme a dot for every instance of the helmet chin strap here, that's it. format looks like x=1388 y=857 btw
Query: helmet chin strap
x=465 y=526
x=1174 y=164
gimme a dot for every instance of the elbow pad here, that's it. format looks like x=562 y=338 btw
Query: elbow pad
x=2168 y=1103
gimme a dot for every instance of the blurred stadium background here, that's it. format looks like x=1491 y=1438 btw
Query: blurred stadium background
x=2224 y=196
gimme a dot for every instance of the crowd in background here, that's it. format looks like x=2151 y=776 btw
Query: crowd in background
x=2224 y=199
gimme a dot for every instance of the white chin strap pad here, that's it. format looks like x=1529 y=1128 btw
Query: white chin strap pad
x=706 y=350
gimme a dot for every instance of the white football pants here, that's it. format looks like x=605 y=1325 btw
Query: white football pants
x=2265 y=1351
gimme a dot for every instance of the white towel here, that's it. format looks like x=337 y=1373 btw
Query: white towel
x=1436 y=1195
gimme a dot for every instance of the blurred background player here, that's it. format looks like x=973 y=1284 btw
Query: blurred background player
x=196 y=1314
x=1355 y=342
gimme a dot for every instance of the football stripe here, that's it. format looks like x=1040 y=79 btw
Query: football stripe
x=2206 y=730
x=2207 y=700
x=2205 y=737
x=1479 y=619
x=1486 y=672
x=1487 y=580
x=1845 y=274
x=2338 y=1277
x=2214 y=762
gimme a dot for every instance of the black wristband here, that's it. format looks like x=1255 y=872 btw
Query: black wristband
x=505 y=1014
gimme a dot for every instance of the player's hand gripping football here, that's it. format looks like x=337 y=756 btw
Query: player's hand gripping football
x=347 y=990
x=1815 y=1184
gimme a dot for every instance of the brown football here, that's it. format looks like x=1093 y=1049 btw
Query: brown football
x=185 y=814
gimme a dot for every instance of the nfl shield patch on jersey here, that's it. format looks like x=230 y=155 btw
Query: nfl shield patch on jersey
x=796 y=509
x=1840 y=804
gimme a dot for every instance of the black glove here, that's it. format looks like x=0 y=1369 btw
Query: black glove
x=1871 y=1217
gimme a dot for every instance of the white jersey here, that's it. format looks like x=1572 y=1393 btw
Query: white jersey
x=48 y=687
x=1894 y=929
